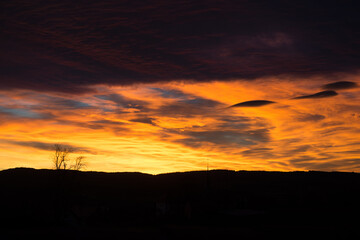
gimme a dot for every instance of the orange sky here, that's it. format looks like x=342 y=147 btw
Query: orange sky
x=157 y=128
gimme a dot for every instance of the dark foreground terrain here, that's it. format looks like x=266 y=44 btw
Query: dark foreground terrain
x=205 y=205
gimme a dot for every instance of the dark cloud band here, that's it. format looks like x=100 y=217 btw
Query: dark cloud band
x=254 y=103
x=67 y=46
x=47 y=146
x=340 y=85
x=323 y=94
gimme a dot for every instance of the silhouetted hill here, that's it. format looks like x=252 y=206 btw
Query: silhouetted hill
x=215 y=204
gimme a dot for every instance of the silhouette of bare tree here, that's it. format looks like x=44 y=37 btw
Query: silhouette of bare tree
x=79 y=163
x=62 y=161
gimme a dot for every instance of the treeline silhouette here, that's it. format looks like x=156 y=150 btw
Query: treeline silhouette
x=205 y=204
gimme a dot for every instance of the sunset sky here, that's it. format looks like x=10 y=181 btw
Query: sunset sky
x=164 y=86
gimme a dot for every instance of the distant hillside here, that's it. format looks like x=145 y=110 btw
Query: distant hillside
x=224 y=199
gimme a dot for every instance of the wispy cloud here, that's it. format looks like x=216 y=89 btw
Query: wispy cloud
x=20 y=113
x=48 y=146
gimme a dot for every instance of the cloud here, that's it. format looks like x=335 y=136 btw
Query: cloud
x=224 y=139
x=340 y=85
x=325 y=164
x=123 y=102
x=254 y=103
x=191 y=106
x=147 y=120
x=310 y=117
x=171 y=93
x=69 y=46
x=102 y=124
x=256 y=152
x=186 y=98
x=21 y=113
x=55 y=102
x=323 y=94
x=241 y=122
x=67 y=103
x=47 y=146
x=182 y=110
x=340 y=165
x=236 y=122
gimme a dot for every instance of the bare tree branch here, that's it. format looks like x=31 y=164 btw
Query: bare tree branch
x=61 y=158
x=79 y=163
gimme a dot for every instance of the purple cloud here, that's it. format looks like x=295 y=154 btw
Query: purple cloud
x=68 y=46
